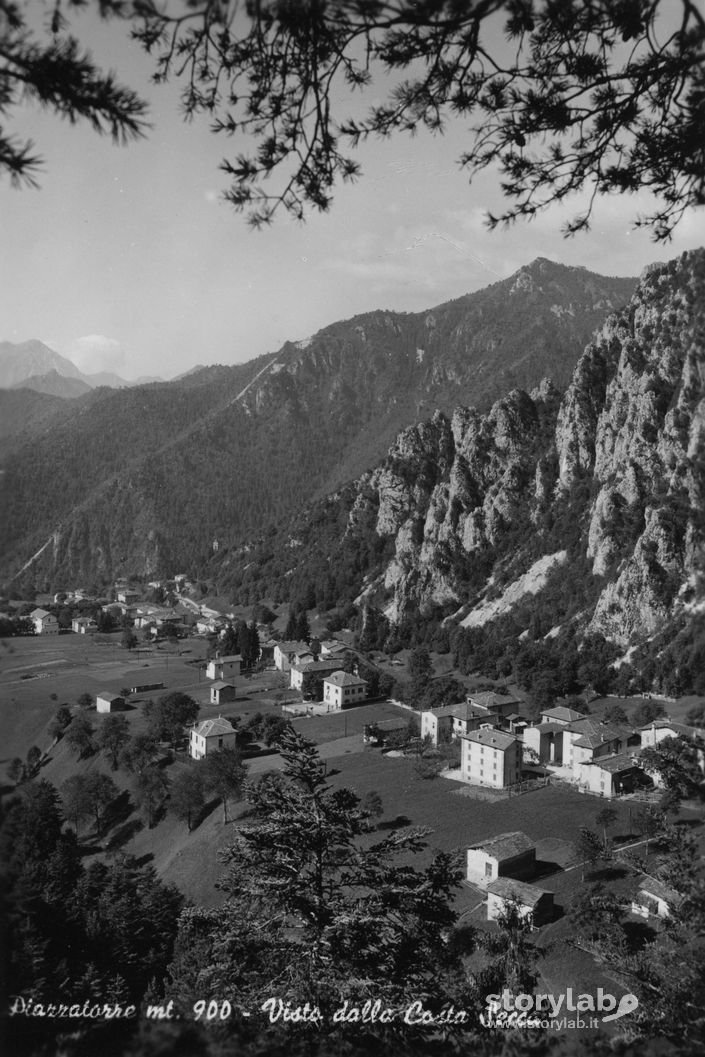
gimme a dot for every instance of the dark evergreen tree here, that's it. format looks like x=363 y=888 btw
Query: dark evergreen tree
x=329 y=916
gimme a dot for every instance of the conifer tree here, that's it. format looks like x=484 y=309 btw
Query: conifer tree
x=320 y=912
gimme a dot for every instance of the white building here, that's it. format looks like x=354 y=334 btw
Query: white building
x=454 y=720
x=507 y=854
x=298 y=672
x=224 y=668
x=44 y=623
x=288 y=653
x=211 y=735
x=83 y=625
x=490 y=757
x=107 y=701
x=342 y=689
x=222 y=693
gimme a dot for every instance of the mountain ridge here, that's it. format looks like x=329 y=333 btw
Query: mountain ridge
x=222 y=451
x=575 y=516
x=32 y=365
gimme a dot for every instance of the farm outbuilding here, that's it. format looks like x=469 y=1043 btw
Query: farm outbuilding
x=533 y=903
x=506 y=855
x=107 y=701
x=222 y=693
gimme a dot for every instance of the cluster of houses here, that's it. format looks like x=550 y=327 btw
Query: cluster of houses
x=504 y=867
x=340 y=689
x=497 y=744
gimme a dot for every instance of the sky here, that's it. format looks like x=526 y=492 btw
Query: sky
x=126 y=259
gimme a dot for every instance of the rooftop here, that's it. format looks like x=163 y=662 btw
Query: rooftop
x=220 y=685
x=526 y=894
x=496 y=739
x=340 y=678
x=229 y=659
x=505 y=845
x=212 y=727
x=615 y=764
x=651 y=886
x=678 y=728
x=562 y=714
x=462 y=710
x=489 y=699
x=316 y=666
x=294 y=647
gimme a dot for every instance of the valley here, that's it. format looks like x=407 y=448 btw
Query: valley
x=397 y=612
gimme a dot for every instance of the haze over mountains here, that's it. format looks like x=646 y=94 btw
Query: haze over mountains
x=141 y=480
x=33 y=365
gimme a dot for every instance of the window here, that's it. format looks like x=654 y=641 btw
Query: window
x=488 y=869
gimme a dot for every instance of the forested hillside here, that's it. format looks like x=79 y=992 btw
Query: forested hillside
x=139 y=481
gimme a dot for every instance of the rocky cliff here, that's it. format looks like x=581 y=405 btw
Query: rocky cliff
x=627 y=435
x=587 y=506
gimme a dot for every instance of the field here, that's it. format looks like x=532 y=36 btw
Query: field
x=61 y=669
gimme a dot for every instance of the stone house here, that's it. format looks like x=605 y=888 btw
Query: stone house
x=222 y=693
x=534 y=904
x=44 y=623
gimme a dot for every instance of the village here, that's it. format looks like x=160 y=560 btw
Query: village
x=510 y=792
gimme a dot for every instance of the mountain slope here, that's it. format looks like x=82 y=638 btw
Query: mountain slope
x=33 y=365
x=54 y=384
x=146 y=479
x=550 y=514
x=31 y=359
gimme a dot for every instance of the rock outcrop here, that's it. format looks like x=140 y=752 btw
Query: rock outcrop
x=617 y=465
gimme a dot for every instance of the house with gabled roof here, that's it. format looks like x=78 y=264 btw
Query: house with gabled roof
x=505 y=855
x=318 y=669
x=660 y=729
x=534 y=905
x=224 y=668
x=211 y=735
x=610 y=776
x=222 y=693
x=561 y=714
x=45 y=623
x=107 y=701
x=490 y=757
x=454 y=720
x=288 y=653
x=587 y=738
x=500 y=704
